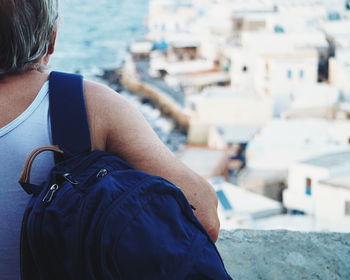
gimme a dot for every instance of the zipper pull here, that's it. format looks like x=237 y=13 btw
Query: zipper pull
x=103 y=172
x=69 y=178
x=49 y=195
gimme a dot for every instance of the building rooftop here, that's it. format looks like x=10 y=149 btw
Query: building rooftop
x=273 y=148
x=330 y=160
x=255 y=6
x=206 y=78
x=269 y=176
x=338 y=182
x=238 y=205
x=190 y=66
x=225 y=92
x=315 y=95
x=304 y=223
x=237 y=134
x=342 y=56
x=141 y=47
x=289 y=45
x=206 y=162
x=339 y=32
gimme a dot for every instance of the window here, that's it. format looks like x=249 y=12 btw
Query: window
x=289 y=74
x=347 y=208
x=334 y=16
x=267 y=68
x=308 y=187
x=279 y=29
x=301 y=74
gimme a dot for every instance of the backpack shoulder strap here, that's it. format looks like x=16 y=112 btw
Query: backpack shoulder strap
x=69 y=122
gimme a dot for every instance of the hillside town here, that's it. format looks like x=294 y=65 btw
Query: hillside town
x=262 y=88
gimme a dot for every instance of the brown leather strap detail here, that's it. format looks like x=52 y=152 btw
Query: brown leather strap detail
x=25 y=175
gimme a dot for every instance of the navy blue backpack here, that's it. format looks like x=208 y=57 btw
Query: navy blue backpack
x=97 y=218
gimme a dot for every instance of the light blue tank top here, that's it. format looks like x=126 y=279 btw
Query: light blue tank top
x=17 y=139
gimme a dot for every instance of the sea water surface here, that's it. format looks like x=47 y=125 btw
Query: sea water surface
x=95 y=34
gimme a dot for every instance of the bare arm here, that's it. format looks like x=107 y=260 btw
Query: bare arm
x=118 y=127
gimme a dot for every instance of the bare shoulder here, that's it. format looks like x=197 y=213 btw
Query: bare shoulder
x=98 y=95
x=116 y=125
x=103 y=104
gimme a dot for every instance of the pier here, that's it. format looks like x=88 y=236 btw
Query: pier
x=167 y=100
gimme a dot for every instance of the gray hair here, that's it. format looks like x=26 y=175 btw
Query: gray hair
x=27 y=30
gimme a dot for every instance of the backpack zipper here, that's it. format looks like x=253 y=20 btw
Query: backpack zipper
x=69 y=176
x=86 y=164
x=49 y=195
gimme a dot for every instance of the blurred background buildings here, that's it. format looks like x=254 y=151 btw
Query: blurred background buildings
x=260 y=97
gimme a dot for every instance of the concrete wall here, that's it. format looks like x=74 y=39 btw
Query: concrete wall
x=285 y=255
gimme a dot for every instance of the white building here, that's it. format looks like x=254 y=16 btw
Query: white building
x=204 y=161
x=222 y=106
x=304 y=176
x=305 y=223
x=283 y=142
x=187 y=67
x=196 y=82
x=251 y=21
x=223 y=136
x=313 y=101
x=213 y=19
x=282 y=74
x=314 y=187
x=273 y=72
x=338 y=32
x=141 y=49
x=332 y=200
x=275 y=67
x=168 y=17
x=159 y=64
x=339 y=71
x=267 y=182
x=340 y=7
x=238 y=206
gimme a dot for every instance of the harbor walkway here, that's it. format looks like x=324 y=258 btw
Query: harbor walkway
x=142 y=67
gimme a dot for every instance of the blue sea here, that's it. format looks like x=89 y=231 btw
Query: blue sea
x=94 y=34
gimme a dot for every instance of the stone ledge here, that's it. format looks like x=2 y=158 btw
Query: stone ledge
x=285 y=255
